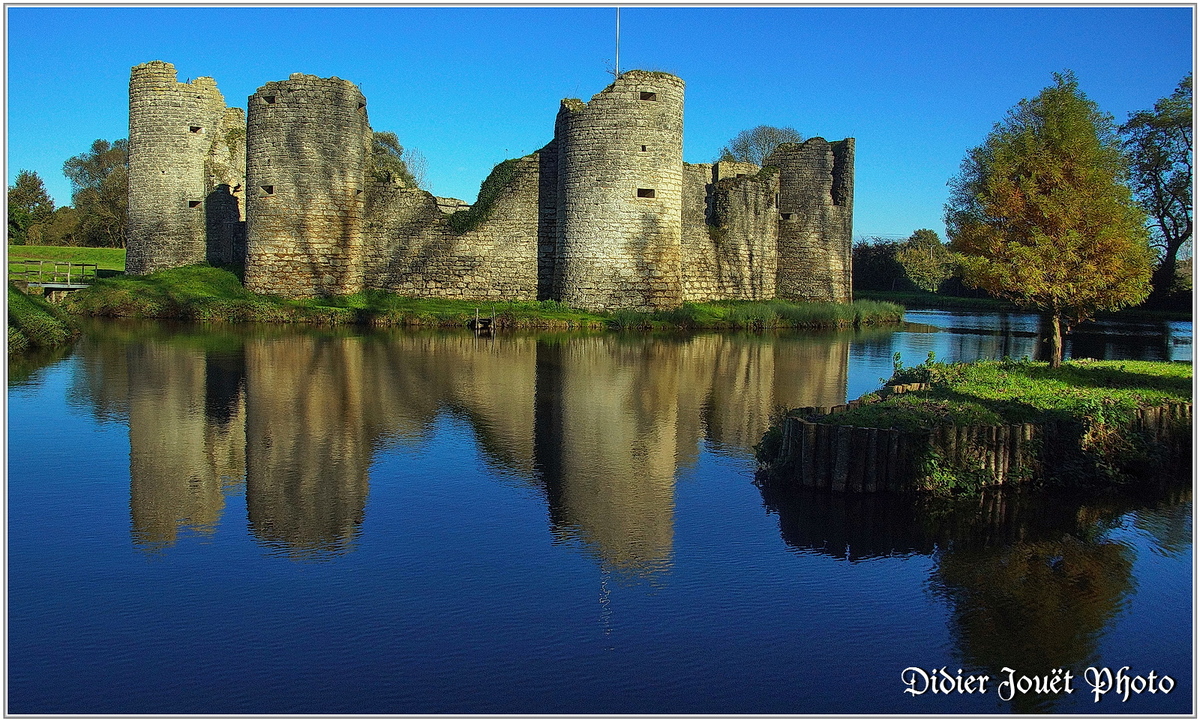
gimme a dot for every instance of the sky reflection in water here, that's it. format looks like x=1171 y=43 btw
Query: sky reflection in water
x=282 y=521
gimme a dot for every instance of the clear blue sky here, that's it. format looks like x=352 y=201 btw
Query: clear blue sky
x=469 y=87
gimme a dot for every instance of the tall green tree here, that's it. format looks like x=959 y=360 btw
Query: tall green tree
x=926 y=261
x=755 y=144
x=1159 y=145
x=1039 y=213
x=388 y=161
x=28 y=204
x=100 y=192
x=875 y=265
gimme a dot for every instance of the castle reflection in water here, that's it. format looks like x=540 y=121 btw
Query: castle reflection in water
x=601 y=424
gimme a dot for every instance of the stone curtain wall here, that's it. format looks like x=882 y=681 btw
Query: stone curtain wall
x=816 y=204
x=729 y=232
x=172 y=130
x=743 y=211
x=698 y=272
x=308 y=144
x=412 y=249
x=620 y=170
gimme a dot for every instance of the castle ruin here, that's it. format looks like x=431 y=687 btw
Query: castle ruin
x=605 y=216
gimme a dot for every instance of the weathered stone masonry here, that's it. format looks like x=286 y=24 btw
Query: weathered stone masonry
x=605 y=216
x=307 y=146
x=186 y=163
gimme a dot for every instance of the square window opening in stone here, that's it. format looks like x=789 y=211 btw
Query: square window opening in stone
x=645 y=192
x=649 y=96
x=268 y=190
x=362 y=106
x=269 y=99
x=645 y=148
x=195 y=128
x=193 y=204
x=785 y=216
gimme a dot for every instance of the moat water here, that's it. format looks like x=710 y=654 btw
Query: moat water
x=276 y=520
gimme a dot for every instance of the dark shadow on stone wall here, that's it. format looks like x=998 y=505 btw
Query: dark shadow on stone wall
x=547 y=206
x=225 y=232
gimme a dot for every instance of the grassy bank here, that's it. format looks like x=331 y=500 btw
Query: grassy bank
x=1085 y=409
x=35 y=324
x=923 y=299
x=110 y=260
x=203 y=293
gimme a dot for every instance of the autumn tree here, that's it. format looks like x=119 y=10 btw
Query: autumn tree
x=754 y=145
x=1159 y=145
x=1039 y=213
x=926 y=261
x=100 y=192
x=28 y=204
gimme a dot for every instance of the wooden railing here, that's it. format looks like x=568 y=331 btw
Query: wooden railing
x=52 y=274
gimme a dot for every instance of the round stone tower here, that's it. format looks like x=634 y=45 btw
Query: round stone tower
x=172 y=127
x=307 y=147
x=620 y=185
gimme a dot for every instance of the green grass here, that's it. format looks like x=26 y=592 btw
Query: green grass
x=994 y=392
x=761 y=315
x=205 y=293
x=106 y=259
x=35 y=324
x=1085 y=410
x=923 y=299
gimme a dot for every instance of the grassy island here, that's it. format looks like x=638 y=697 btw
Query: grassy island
x=970 y=425
x=205 y=293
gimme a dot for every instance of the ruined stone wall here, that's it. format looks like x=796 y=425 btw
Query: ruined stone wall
x=729 y=232
x=224 y=197
x=816 y=205
x=744 y=215
x=605 y=216
x=698 y=270
x=620 y=168
x=173 y=128
x=308 y=145
x=490 y=252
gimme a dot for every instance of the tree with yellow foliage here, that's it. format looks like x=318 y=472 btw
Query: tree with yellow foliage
x=1039 y=213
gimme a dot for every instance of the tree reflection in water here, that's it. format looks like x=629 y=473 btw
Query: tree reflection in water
x=1032 y=581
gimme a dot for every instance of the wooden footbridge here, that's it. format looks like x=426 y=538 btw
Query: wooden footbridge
x=52 y=276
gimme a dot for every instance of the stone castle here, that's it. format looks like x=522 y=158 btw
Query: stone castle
x=605 y=216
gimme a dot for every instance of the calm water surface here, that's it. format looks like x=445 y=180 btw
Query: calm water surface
x=266 y=520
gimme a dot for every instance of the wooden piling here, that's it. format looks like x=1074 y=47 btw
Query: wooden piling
x=858 y=458
x=871 y=461
x=808 y=445
x=841 y=460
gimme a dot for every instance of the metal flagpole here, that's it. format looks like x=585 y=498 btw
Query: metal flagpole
x=617 y=72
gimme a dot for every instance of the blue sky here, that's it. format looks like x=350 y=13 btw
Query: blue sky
x=469 y=87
